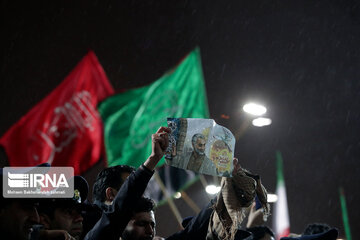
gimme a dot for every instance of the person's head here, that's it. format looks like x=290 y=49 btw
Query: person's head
x=17 y=216
x=198 y=142
x=261 y=233
x=65 y=214
x=315 y=228
x=62 y=215
x=142 y=223
x=108 y=183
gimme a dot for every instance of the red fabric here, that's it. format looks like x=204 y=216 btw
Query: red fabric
x=64 y=129
x=284 y=233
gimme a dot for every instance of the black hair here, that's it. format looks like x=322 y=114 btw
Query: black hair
x=315 y=228
x=259 y=232
x=144 y=205
x=109 y=177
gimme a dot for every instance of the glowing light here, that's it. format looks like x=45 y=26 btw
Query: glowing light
x=272 y=198
x=261 y=122
x=254 y=109
x=177 y=195
x=212 y=189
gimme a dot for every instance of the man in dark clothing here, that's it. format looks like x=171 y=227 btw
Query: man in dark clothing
x=142 y=224
x=106 y=186
x=65 y=213
x=121 y=219
x=108 y=183
x=17 y=217
x=114 y=221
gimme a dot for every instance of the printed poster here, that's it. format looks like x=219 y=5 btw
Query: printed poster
x=200 y=145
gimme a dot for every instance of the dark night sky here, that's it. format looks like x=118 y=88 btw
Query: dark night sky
x=300 y=58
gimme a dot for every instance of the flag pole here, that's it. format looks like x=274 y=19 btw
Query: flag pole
x=281 y=215
x=344 y=214
x=204 y=183
x=172 y=205
x=216 y=180
x=190 y=202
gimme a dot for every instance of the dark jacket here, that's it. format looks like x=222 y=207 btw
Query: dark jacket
x=198 y=227
x=113 y=222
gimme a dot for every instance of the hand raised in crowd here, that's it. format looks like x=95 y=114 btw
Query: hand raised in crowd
x=160 y=142
x=236 y=166
x=256 y=217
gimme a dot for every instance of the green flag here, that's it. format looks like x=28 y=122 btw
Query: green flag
x=345 y=214
x=131 y=117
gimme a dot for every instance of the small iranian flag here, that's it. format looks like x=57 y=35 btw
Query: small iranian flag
x=281 y=214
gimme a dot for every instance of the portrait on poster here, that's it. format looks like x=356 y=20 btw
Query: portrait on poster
x=200 y=145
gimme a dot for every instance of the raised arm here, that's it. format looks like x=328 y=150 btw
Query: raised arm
x=113 y=222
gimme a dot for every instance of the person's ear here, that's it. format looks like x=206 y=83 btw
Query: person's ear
x=45 y=220
x=110 y=194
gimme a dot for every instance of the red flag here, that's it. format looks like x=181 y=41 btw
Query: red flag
x=64 y=129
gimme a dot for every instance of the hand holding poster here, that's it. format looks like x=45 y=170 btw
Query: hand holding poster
x=200 y=145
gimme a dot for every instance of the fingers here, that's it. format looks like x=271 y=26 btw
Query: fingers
x=236 y=165
x=253 y=207
x=235 y=162
x=68 y=236
x=165 y=142
x=256 y=211
x=163 y=129
x=162 y=137
x=160 y=142
x=156 y=139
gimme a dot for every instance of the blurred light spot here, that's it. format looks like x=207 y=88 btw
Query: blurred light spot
x=254 y=109
x=272 y=197
x=177 y=195
x=212 y=189
x=261 y=122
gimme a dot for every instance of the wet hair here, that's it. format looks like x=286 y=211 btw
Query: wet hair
x=144 y=205
x=109 y=177
x=259 y=232
x=315 y=228
x=196 y=137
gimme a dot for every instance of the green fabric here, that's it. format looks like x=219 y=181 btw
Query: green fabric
x=279 y=172
x=345 y=214
x=131 y=117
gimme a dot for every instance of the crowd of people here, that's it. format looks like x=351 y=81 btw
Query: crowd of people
x=120 y=211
